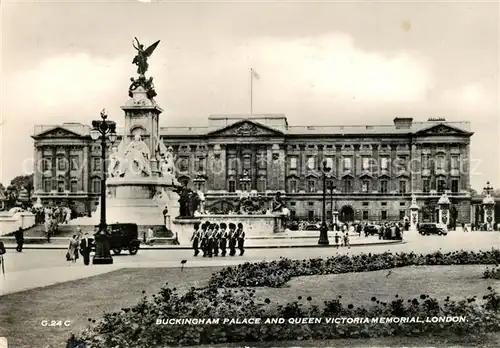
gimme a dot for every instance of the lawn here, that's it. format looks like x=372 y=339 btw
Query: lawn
x=22 y=313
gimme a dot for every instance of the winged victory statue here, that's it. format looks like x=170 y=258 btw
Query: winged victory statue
x=141 y=59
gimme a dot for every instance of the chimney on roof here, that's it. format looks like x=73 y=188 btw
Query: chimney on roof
x=436 y=119
x=403 y=122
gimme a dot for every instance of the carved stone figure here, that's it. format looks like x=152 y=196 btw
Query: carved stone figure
x=114 y=162
x=278 y=203
x=136 y=157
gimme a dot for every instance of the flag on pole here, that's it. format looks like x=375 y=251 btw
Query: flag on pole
x=255 y=75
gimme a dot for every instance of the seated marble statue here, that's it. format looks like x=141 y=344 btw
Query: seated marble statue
x=136 y=157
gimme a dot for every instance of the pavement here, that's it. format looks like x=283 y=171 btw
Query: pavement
x=43 y=267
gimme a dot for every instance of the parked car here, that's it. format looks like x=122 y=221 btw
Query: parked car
x=312 y=227
x=428 y=228
x=293 y=225
x=372 y=229
x=123 y=237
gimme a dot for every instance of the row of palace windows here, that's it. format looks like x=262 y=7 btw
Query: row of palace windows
x=311 y=215
x=383 y=186
x=368 y=163
x=62 y=163
x=60 y=185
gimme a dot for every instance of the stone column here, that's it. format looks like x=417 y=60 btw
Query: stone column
x=413 y=169
x=54 y=169
x=465 y=167
x=37 y=169
x=86 y=167
x=392 y=184
x=68 y=167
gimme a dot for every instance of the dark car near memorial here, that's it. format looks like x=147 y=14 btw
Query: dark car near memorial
x=428 y=228
x=123 y=237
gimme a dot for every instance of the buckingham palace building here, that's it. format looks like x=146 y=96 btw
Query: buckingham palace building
x=371 y=171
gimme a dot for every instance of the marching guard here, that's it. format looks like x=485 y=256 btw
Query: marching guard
x=210 y=240
x=215 y=240
x=241 y=238
x=232 y=239
x=204 y=239
x=223 y=239
x=195 y=238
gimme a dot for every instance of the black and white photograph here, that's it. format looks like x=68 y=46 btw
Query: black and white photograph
x=249 y=174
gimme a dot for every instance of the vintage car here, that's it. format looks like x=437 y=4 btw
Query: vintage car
x=371 y=229
x=428 y=228
x=123 y=237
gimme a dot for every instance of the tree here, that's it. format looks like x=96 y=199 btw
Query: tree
x=23 y=182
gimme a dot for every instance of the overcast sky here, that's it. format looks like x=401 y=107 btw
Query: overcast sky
x=319 y=63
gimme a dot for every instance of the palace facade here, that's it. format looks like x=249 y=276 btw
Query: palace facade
x=371 y=171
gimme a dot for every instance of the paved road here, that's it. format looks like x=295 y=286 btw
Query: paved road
x=44 y=259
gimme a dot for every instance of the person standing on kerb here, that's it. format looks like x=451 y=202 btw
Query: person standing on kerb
x=195 y=238
x=19 y=235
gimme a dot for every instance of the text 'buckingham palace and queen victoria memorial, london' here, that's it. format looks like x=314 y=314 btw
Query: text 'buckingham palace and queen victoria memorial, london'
x=374 y=171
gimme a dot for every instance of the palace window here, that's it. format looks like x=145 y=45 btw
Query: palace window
x=231 y=186
x=46 y=164
x=384 y=214
x=454 y=185
x=366 y=163
x=384 y=163
x=311 y=163
x=311 y=186
x=47 y=185
x=247 y=162
x=347 y=186
x=199 y=185
x=201 y=164
x=455 y=162
x=402 y=163
x=347 y=163
x=292 y=185
x=183 y=164
x=293 y=162
x=365 y=214
x=440 y=162
x=96 y=164
x=383 y=186
x=426 y=186
x=329 y=215
x=61 y=185
x=61 y=163
x=402 y=186
x=441 y=185
x=232 y=163
x=329 y=163
x=74 y=185
x=402 y=214
x=365 y=186
x=74 y=162
x=261 y=160
x=425 y=162
x=261 y=185
x=96 y=185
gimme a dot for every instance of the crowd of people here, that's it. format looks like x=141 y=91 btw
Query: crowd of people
x=211 y=238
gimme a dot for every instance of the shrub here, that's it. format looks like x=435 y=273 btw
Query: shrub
x=494 y=273
x=136 y=326
x=278 y=273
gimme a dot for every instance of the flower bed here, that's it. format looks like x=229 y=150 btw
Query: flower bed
x=137 y=326
x=278 y=273
x=494 y=273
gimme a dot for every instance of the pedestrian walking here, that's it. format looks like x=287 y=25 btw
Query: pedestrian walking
x=223 y=239
x=2 y=260
x=19 y=235
x=346 y=240
x=86 y=248
x=337 y=240
x=464 y=227
x=241 y=238
x=195 y=238
x=72 y=253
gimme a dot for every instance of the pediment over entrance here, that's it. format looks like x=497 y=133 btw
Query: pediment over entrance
x=443 y=129
x=246 y=128
x=60 y=132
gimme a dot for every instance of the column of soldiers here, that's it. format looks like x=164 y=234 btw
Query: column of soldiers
x=211 y=238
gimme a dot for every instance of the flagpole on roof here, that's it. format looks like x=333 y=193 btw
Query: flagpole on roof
x=251 y=91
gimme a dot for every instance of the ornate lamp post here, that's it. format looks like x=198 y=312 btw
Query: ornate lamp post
x=323 y=231
x=332 y=188
x=103 y=129
x=488 y=207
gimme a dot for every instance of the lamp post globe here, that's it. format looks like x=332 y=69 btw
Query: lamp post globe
x=105 y=130
x=323 y=230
